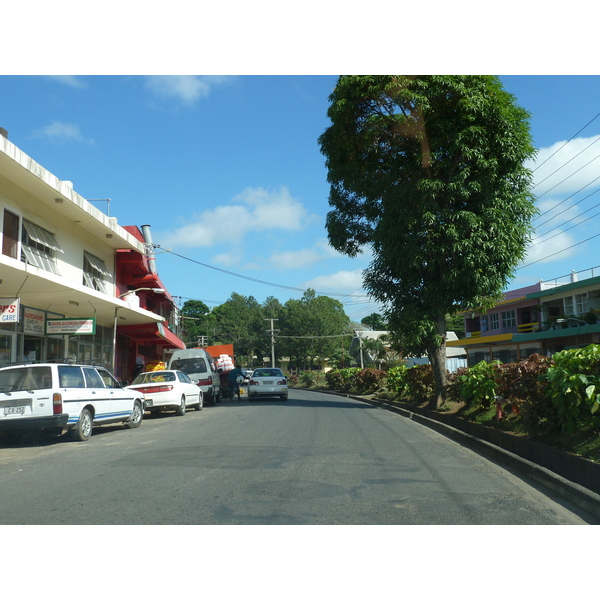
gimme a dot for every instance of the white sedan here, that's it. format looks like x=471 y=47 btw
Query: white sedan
x=267 y=382
x=168 y=390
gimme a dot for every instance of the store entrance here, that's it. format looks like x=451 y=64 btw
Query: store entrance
x=32 y=348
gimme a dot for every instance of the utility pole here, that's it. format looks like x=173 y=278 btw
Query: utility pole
x=272 y=332
x=202 y=341
x=360 y=349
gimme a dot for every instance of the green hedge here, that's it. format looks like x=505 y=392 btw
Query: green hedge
x=550 y=395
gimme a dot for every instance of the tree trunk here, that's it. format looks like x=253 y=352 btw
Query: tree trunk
x=437 y=358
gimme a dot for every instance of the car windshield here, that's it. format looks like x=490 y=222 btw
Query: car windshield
x=189 y=365
x=267 y=373
x=154 y=377
x=25 y=378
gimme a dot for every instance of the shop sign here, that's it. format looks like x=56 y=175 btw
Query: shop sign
x=71 y=326
x=33 y=321
x=9 y=310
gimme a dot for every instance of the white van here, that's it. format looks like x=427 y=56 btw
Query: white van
x=199 y=366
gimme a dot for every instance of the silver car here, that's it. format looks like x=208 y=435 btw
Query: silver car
x=267 y=382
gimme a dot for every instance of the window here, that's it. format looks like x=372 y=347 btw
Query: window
x=508 y=319
x=95 y=272
x=484 y=323
x=70 y=377
x=39 y=247
x=10 y=234
x=568 y=305
x=576 y=305
x=494 y=321
x=108 y=379
x=92 y=378
x=581 y=304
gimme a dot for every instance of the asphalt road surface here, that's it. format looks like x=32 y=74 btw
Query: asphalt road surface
x=315 y=459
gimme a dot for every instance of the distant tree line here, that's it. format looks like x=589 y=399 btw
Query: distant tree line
x=305 y=331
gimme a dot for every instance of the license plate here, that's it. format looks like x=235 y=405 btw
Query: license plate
x=267 y=383
x=14 y=410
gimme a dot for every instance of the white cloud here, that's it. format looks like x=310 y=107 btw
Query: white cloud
x=572 y=167
x=275 y=209
x=229 y=259
x=61 y=132
x=340 y=282
x=254 y=210
x=70 y=80
x=295 y=259
x=545 y=249
x=187 y=88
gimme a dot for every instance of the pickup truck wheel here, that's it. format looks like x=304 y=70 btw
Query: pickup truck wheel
x=83 y=429
x=181 y=408
x=136 y=417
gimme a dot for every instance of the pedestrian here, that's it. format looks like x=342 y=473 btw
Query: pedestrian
x=139 y=367
x=232 y=380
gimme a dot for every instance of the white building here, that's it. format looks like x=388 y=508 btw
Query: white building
x=59 y=294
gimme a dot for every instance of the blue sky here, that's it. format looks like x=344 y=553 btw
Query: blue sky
x=228 y=172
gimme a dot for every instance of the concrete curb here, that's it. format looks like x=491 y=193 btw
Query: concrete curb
x=579 y=495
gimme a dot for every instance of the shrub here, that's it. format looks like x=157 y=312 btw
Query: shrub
x=396 y=379
x=419 y=384
x=341 y=379
x=292 y=380
x=334 y=379
x=478 y=384
x=310 y=378
x=367 y=380
x=525 y=385
x=574 y=386
x=454 y=383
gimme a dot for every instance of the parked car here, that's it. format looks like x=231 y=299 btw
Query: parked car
x=199 y=366
x=267 y=382
x=57 y=398
x=168 y=390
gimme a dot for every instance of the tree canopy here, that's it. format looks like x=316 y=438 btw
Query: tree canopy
x=429 y=172
x=305 y=329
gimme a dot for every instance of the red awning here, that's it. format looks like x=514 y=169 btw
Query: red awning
x=152 y=333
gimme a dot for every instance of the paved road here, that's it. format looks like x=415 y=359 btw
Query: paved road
x=316 y=459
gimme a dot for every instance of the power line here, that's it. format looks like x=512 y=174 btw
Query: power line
x=314 y=337
x=565 y=164
x=568 y=197
x=286 y=287
x=569 y=140
x=559 y=252
x=569 y=220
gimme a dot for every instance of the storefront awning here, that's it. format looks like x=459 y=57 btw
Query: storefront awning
x=152 y=333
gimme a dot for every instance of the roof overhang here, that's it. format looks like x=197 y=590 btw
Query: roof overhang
x=557 y=333
x=152 y=333
x=39 y=289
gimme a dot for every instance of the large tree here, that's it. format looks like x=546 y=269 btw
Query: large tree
x=311 y=328
x=429 y=172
